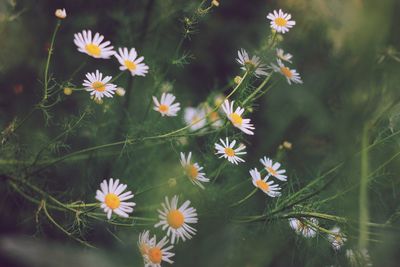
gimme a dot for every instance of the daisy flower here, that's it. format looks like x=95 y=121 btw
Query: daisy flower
x=165 y=106
x=336 y=238
x=113 y=200
x=291 y=74
x=177 y=220
x=227 y=151
x=273 y=168
x=129 y=61
x=253 y=64
x=281 y=21
x=268 y=188
x=213 y=117
x=193 y=170
x=236 y=117
x=93 y=46
x=61 y=13
x=97 y=86
x=282 y=56
x=301 y=226
x=144 y=243
x=195 y=117
x=154 y=253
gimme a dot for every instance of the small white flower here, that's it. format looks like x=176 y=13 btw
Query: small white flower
x=165 y=106
x=358 y=258
x=268 y=188
x=93 y=47
x=273 y=168
x=113 y=200
x=236 y=117
x=98 y=86
x=281 y=21
x=213 y=117
x=337 y=238
x=227 y=151
x=176 y=220
x=303 y=226
x=291 y=74
x=129 y=61
x=120 y=91
x=195 y=117
x=282 y=56
x=193 y=170
x=155 y=253
x=61 y=13
x=253 y=64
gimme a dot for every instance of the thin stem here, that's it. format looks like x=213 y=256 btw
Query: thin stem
x=363 y=195
x=46 y=69
x=257 y=90
x=244 y=199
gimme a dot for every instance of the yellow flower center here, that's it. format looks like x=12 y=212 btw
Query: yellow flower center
x=130 y=65
x=229 y=151
x=93 y=50
x=281 y=22
x=99 y=86
x=175 y=219
x=163 y=108
x=192 y=171
x=236 y=119
x=112 y=201
x=262 y=185
x=287 y=72
x=155 y=255
x=271 y=171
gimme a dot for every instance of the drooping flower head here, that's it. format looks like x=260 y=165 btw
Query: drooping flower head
x=166 y=106
x=268 y=187
x=227 y=150
x=195 y=117
x=236 y=117
x=254 y=64
x=291 y=75
x=280 y=21
x=304 y=226
x=273 y=168
x=337 y=238
x=94 y=47
x=98 y=86
x=113 y=200
x=193 y=170
x=177 y=220
x=130 y=61
x=280 y=54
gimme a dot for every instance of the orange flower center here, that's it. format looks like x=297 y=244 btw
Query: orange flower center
x=112 y=201
x=163 y=108
x=93 y=50
x=99 y=86
x=155 y=255
x=262 y=185
x=214 y=116
x=271 y=171
x=229 y=151
x=130 y=65
x=175 y=219
x=192 y=171
x=281 y=22
x=287 y=72
x=236 y=119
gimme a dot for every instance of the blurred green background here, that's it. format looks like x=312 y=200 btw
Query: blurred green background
x=347 y=54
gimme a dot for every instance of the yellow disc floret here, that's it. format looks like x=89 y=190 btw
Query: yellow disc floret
x=93 y=50
x=175 y=219
x=112 y=201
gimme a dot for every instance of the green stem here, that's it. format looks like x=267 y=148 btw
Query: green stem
x=46 y=69
x=244 y=199
x=257 y=90
x=363 y=195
